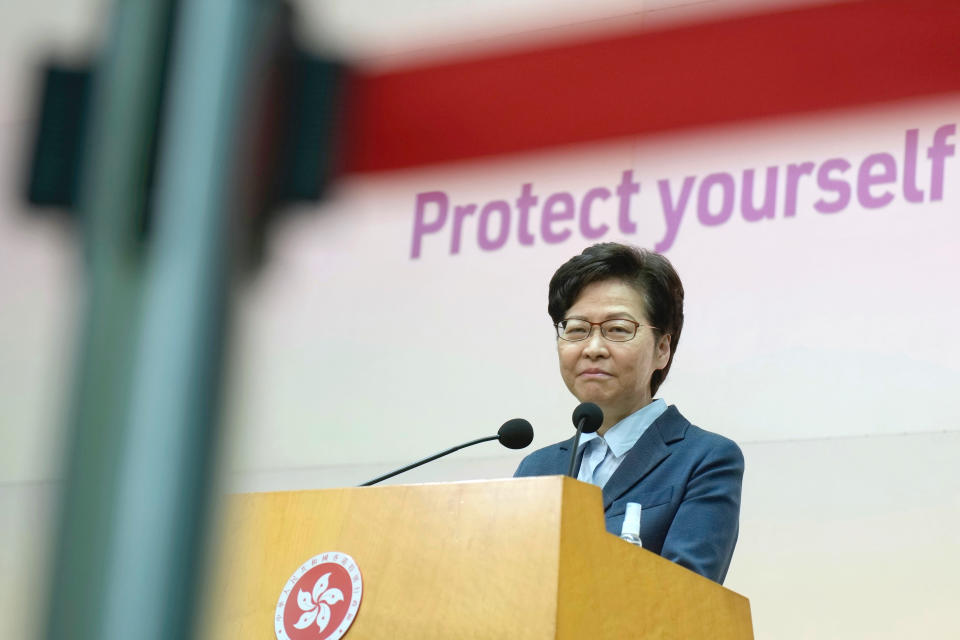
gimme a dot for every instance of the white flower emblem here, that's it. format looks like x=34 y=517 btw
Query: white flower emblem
x=316 y=605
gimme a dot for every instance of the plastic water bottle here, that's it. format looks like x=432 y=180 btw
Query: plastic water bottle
x=631 y=524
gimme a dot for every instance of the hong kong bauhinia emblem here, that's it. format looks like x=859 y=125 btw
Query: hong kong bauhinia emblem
x=320 y=600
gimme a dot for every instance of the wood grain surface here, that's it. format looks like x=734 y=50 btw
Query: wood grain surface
x=521 y=558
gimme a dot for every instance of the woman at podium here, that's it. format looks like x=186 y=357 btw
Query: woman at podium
x=618 y=314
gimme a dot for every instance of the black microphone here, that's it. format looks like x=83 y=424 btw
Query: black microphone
x=514 y=434
x=587 y=417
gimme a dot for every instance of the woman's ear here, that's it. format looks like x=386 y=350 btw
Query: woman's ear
x=663 y=351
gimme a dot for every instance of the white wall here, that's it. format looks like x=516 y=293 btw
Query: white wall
x=823 y=343
x=805 y=326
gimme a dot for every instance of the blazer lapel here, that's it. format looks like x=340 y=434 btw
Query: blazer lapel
x=562 y=462
x=651 y=449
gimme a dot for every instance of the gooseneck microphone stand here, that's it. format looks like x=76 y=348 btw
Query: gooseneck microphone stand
x=426 y=460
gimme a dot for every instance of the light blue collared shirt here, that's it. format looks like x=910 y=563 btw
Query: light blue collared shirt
x=602 y=455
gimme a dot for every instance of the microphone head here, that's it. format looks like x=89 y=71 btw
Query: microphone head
x=591 y=414
x=515 y=434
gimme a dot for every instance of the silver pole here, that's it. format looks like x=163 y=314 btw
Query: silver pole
x=146 y=397
x=116 y=169
x=158 y=524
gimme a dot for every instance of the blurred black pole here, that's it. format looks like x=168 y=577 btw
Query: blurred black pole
x=201 y=118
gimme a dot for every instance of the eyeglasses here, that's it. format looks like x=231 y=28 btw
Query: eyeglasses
x=614 y=330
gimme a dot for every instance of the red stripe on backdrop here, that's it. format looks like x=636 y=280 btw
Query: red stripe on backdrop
x=802 y=60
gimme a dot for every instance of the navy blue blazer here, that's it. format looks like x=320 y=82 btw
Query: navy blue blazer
x=686 y=479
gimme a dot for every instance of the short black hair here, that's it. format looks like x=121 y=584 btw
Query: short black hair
x=650 y=273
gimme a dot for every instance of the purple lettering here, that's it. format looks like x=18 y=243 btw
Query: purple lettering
x=524 y=202
x=726 y=184
x=938 y=153
x=866 y=179
x=794 y=173
x=766 y=210
x=826 y=183
x=910 y=190
x=627 y=188
x=672 y=213
x=459 y=213
x=557 y=207
x=585 y=229
x=420 y=228
x=483 y=237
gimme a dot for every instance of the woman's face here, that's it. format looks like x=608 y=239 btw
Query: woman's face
x=614 y=375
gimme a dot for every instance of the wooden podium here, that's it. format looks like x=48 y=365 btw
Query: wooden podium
x=520 y=558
